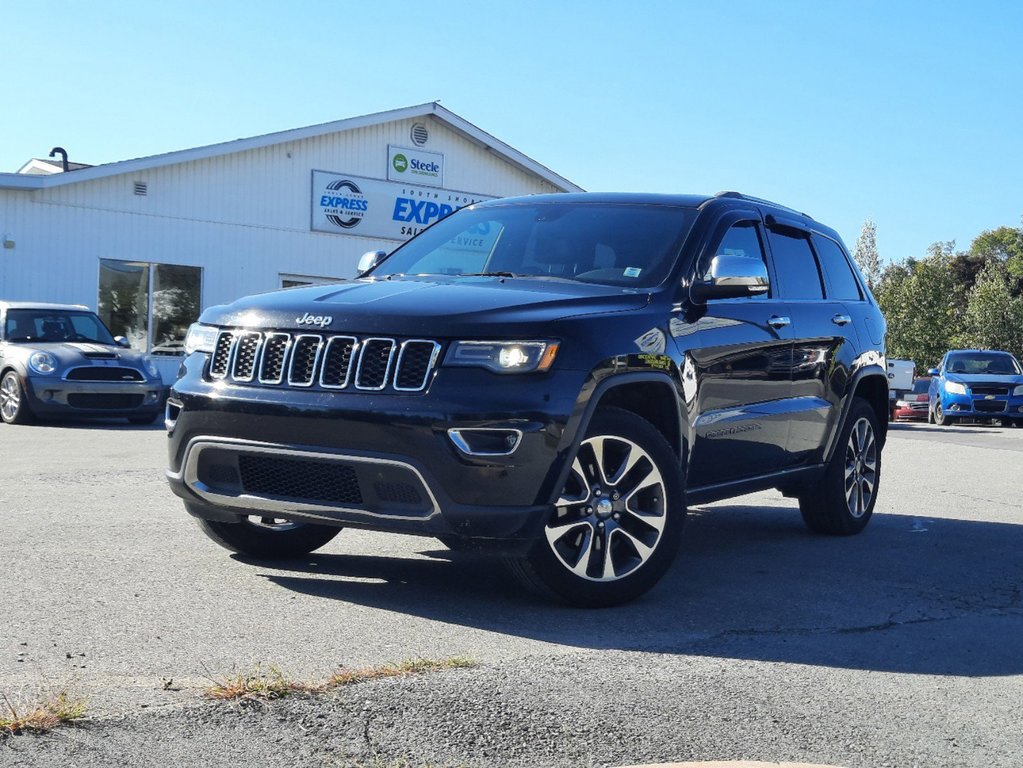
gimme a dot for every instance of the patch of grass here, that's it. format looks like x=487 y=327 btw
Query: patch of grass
x=405 y=668
x=40 y=716
x=272 y=683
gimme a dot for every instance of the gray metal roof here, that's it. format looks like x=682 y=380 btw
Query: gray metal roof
x=431 y=109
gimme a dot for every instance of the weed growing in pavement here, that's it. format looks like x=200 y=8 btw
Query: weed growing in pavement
x=272 y=683
x=405 y=668
x=42 y=715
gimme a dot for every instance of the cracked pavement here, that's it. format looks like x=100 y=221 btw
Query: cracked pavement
x=902 y=646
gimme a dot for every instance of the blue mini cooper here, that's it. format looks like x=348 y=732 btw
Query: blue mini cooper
x=976 y=384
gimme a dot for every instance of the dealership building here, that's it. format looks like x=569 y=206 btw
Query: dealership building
x=148 y=243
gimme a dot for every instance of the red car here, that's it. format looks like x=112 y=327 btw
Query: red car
x=912 y=404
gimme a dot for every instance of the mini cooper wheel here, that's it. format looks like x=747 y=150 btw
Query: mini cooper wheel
x=618 y=521
x=13 y=400
x=269 y=537
x=843 y=502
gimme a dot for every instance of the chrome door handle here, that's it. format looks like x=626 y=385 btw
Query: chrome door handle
x=776 y=321
x=841 y=319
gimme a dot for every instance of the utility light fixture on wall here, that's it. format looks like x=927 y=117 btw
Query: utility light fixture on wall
x=8 y=241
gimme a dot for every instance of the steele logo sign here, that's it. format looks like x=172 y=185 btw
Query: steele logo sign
x=320 y=321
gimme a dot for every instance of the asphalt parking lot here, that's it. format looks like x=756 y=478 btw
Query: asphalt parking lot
x=902 y=646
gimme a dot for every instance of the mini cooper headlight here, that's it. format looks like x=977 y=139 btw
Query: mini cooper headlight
x=1018 y=391
x=200 y=338
x=504 y=356
x=955 y=388
x=42 y=362
x=151 y=366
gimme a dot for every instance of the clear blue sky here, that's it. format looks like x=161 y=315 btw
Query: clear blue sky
x=909 y=113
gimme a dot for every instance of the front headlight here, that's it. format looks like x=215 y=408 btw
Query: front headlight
x=42 y=362
x=503 y=356
x=151 y=366
x=200 y=338
x=1018 y=391
x=955 y=388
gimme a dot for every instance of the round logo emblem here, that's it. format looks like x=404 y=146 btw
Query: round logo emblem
x=400 y=163
x=348 y=206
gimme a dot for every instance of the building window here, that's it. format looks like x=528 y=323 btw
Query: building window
x=296 y=281
x=151 y=305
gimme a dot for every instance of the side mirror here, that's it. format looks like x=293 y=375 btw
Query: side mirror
x=732 y=277
x=369 y=260
x=121 y=341
x=933 y=372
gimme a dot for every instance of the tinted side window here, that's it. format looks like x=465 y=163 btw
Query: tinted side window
x=841 y=280
x=742 y=239
x=799 y=276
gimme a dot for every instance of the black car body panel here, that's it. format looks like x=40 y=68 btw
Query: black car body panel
x=744 y=399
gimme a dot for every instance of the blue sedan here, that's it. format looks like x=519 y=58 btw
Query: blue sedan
x=976 y=384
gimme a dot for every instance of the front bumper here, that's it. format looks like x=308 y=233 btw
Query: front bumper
x=913 y=411
x=982 y=406
x=380 y=461
x=59 y=397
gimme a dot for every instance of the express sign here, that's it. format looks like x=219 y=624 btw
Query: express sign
x=356 y=205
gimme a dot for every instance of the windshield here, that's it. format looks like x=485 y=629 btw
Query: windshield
x=993 y=363
x=35 y=325
x=613 y=244
x=920 y=386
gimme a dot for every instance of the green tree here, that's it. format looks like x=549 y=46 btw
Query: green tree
x=994 y=317
x=923 y=304
x=865 y=254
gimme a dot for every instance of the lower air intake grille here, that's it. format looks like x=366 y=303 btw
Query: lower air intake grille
x=299 y=479
x=104 y=402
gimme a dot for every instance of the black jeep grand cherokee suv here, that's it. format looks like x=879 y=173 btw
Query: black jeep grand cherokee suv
x=552 y=377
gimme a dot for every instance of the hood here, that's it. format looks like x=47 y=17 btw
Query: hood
x=985 y=378
x=435 y=306
x=81 y=353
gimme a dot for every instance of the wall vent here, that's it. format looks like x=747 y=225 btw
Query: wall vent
x=419 y=134
x=141 y=188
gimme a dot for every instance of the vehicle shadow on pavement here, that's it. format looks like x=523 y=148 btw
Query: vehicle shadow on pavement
x=911 y=594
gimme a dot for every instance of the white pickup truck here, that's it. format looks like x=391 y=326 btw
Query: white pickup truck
x=900 y=379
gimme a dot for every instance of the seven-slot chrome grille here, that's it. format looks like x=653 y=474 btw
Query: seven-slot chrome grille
x=329 y=361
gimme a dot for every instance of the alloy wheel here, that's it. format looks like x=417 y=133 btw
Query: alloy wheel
x=274 y=524
x=10 y=397
x=860 y=468
x=611 y=515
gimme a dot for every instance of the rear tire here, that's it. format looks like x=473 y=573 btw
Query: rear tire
x=14 y=408
x=843 y=502
x=269 y=538
x=618 y=522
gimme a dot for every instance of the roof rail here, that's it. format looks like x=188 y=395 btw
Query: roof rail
x=750 y=198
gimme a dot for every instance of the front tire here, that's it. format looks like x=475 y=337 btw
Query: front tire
x=941 y=418
x=618 y=522
x=269 y=538
x=14 y=407
x=842 y=504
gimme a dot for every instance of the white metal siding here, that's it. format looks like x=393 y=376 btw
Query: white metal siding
x=244 y=218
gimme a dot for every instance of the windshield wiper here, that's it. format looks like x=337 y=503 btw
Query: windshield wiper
x=488 y=274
